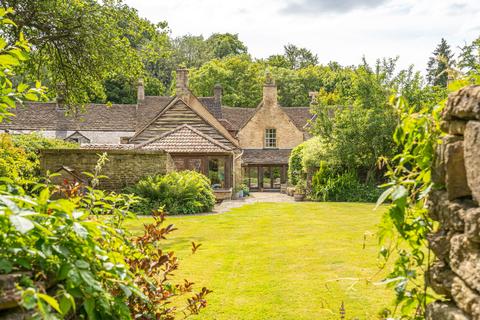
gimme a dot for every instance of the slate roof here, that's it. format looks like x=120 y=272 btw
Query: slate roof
x=238 y=116
x=185 y=139
x=149 y=109
x=47 y=116
x=128 y=117
x=266 y=156
x=299 y=116
x=212 y=106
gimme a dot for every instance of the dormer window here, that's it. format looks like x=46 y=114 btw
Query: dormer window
x=270 y=138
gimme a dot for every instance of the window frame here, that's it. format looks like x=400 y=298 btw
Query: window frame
x=270 y=140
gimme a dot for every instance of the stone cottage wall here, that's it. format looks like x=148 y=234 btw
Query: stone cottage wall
x=456 y=271
x=123 y=168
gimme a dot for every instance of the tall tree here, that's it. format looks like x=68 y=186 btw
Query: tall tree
x=226 y=44
x=300 y=57
x=191 y=51
x=469 y=59
x=79 y=43
x=439 y=63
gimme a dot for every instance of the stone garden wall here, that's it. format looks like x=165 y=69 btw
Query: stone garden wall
x=123 y=168
x=456 y=271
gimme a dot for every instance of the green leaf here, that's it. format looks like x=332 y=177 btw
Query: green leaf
x=8 y=60
x=51 y=301
x=28 y=298
x=89 y=306
x=22 y=224
x=67 y=302
x=80 y=230
x=5 y=265
x=399 y=192
x=384 y=196
x=82 y=264
x=87 y=276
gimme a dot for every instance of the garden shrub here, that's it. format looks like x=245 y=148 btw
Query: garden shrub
x=34 y=142
x=99 y=269
x=329 y=185
x=19 y=155
x=183 y=192
x=14 y=162
x=295 y=167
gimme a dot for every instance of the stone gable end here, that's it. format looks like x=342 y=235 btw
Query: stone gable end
x=252 y=135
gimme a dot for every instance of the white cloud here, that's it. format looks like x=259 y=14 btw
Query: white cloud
x=374 y=28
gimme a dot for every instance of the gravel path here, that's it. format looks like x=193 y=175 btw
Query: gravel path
x=254 y=197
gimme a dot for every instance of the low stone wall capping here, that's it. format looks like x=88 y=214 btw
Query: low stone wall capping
x=455 y=205
x=123 y=168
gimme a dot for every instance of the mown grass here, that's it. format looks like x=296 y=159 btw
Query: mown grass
x=283 y=260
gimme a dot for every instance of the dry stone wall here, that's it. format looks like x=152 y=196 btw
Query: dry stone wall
x=455 y=205
x=123 y=168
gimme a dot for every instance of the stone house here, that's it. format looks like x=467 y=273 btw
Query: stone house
x=229 y=145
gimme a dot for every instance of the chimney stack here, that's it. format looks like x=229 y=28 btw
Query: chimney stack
x=140 y=92
x=217 y=94
x=269 y=92
x=60 y=99
x=217 y=98
x=182 y=83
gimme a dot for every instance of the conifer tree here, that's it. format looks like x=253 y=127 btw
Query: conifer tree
x=439 y=63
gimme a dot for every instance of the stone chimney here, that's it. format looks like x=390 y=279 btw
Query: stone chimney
x=217 y=101
x=269 y=92
x=60 y=99
x=217 y=94
x=182 y=83
x=140 y=92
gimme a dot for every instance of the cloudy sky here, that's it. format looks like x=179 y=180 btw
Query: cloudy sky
x=338 y=30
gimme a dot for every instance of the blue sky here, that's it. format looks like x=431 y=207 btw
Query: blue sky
x=338 y=30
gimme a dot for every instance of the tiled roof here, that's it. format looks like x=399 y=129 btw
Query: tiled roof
x=298 y=115
x=99 y=146
x=238 y=116
x=150 y=108
x=266 y=156
x=117 y=117
x=212 y=106
x=47 y=116
x=184 y=139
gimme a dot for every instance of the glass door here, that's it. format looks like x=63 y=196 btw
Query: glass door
x=267 y=178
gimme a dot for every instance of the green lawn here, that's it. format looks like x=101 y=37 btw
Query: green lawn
x=283 y=260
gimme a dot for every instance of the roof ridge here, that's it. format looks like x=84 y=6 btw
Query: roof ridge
x=180 y=127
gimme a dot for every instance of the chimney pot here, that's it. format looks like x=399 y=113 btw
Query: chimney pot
x=140 y=92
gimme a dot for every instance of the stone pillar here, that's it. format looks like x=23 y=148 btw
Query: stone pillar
x=270 y=92
x=182 y=83
x=455 y=273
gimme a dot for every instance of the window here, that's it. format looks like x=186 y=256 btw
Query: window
x=216 y=172
x=270 y=138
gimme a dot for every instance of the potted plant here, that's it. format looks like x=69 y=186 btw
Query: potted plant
x=245 y=189
x=300 y=191
x=238 y=191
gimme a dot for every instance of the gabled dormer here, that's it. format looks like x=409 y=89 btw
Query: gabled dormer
x=269 y=127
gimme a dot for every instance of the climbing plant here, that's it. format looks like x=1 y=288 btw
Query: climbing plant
x=405 y=225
